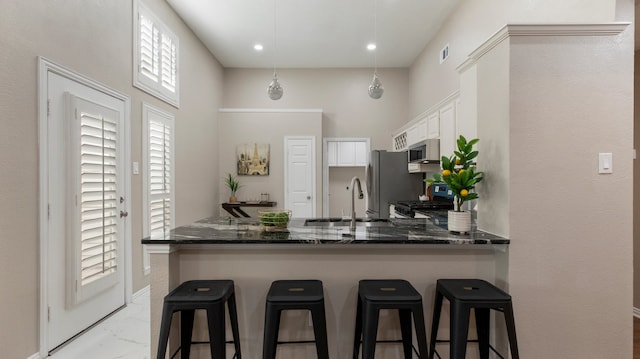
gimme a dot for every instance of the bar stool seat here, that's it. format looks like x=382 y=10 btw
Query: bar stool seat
x=295 y=294
x=209 y=295
x=377 y=294
x=482 y=296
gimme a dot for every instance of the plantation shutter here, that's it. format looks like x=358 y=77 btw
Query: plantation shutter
x=156 y=57
x=168 y=63
x=159 y=174
x=160 y=179
x=149 y=49
x=96 y=223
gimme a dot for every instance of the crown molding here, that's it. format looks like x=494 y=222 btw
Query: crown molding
x=271 y=110
x=512 y=30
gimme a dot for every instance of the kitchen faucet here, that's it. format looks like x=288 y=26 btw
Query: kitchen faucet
x=354 y=180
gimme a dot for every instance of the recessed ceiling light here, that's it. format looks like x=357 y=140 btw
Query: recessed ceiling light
x=258 y=47
x=371 y=47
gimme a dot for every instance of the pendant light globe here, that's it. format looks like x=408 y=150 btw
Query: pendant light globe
x=275 y=90
x=376 y=89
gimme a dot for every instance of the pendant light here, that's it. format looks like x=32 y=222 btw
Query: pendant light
x=375 y=89
x=274 y=90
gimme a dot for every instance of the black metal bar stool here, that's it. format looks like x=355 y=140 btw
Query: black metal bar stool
x=482 y=296
x=295 y=294
x=209 y=295
x=399 y=294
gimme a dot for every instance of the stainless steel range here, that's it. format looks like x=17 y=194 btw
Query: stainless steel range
x=442 y=200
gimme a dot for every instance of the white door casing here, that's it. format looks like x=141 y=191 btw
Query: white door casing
x=84 y=186
x=300 y=175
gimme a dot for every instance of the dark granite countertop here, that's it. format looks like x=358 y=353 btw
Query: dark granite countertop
x=432 y=230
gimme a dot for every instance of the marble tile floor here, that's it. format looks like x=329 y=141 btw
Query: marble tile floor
x=124 y=335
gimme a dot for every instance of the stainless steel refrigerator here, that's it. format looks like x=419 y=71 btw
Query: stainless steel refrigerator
x=388 y=181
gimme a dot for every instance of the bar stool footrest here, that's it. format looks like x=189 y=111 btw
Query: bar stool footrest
x=438 y=341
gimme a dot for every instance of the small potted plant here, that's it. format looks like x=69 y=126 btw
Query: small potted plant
x=233 y=184
x=460 y=175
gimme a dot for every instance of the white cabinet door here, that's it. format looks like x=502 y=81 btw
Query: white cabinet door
x=423 y=130
x=433 y=125
x=412 y=135
x=447 y=130
x=361 y=154
x=332 y=153
x=346 y=153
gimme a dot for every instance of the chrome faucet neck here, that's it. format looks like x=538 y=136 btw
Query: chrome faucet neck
x=354 y=181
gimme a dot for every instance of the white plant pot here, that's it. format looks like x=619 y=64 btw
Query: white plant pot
x=459 y=221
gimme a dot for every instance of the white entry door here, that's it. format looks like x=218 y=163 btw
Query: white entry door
x=300 y=176
x=86 y=207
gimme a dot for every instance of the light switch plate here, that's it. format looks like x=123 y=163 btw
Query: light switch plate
x=136 y=168
x=605 y=162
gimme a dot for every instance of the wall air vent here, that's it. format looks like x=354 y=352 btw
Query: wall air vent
x=444 y=53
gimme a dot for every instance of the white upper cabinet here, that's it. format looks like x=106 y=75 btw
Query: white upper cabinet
x=439 y=122
x=412 y=135
x=362 y=153
x=433 y=125
x=347 y=153
x=423 y=130
x=332 y=153
x=447 y=129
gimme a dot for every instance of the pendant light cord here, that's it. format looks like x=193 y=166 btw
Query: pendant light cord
x=275 y=38
x=375 y=35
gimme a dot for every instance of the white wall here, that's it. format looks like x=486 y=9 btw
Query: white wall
x=475 y=21
x=340 y=93
x=93 y=38
x=573 y=249
x=340 y=191
x=567 y=99
x=238 y=128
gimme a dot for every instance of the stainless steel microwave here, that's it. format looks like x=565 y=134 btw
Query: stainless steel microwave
x=424 y=156
x=427 y=151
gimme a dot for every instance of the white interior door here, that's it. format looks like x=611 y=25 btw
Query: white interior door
x=300 y=176
x=87 y=210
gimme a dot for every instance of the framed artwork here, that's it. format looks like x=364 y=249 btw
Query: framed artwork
x=253 y=159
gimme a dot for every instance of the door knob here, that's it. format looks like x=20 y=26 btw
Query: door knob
x=123 y=214
x=308 y=197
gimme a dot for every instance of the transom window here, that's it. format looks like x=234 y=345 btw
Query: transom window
x=155 y=56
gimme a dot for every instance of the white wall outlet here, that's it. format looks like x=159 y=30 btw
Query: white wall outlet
x=136 y=168
x=605 y=162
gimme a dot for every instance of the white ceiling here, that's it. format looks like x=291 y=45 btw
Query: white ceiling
x=314 y=33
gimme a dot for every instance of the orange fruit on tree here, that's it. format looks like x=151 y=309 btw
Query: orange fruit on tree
x=464 y=193
x=446 y=173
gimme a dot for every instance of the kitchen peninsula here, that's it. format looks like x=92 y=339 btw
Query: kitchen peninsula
x=418 y=250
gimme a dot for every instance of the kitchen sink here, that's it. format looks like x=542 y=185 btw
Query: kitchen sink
x=339 y=222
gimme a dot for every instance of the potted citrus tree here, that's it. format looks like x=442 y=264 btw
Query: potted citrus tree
x=460 y=175
x=232 y=182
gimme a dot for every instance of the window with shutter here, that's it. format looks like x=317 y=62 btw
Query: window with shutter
x=98 y=198
x=95 y=222
x=155 y=56
x=159 y=173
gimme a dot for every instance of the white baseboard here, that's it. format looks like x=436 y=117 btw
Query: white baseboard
x=34 y=356
x=636 y=312
x=145 y=291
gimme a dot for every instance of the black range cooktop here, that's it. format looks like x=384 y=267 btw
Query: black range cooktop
x=435 y=204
